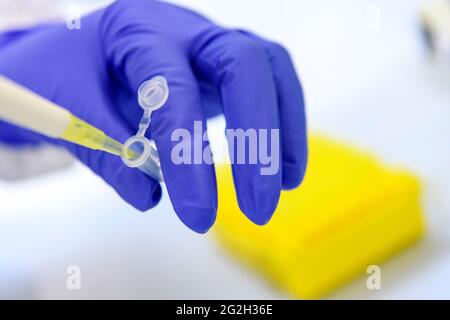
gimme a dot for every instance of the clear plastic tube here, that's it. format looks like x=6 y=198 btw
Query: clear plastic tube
x=152 y=95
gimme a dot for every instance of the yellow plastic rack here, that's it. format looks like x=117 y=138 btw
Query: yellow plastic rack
x=349 y=213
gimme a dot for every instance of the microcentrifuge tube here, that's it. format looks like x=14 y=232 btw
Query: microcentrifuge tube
x=152 y=95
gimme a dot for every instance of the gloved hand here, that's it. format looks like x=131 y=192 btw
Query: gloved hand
x=95 y=73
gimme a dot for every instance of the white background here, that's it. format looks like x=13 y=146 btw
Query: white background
x=373 y=87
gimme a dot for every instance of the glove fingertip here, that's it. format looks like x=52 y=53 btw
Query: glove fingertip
x=292 y=179
x=151 y=201
x=139 y=190
x=293 y=172
x=259 y=217
x=199 y=220
x=261 y=209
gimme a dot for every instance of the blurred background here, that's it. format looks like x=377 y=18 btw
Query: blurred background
x=368 y=78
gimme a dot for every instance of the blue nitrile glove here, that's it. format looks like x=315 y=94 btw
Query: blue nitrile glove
x=95 y=73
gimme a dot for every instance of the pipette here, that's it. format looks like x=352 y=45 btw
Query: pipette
x=24 y=108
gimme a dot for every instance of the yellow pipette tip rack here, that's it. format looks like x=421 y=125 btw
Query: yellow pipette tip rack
x=350 y=212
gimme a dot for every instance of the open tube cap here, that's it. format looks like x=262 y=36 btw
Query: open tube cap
x=153 y=94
